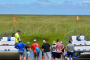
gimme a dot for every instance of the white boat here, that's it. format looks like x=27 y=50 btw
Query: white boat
x=7 y=49
x=81 y=45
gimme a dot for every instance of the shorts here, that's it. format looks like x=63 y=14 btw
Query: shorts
x=53 y=54
x=36 y=55
x=69 y=53
x=58 y=55
x=47 y=55
x=21 y=53
x=28 y=53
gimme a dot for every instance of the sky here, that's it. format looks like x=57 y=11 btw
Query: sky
x=45 y=7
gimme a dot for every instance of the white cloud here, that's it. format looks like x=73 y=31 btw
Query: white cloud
x=74 y=3
x=3 y=3
x=86 y=2
x=9 y=5
x=43 y=0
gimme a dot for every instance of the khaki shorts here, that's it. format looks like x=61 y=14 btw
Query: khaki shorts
x=47 y=55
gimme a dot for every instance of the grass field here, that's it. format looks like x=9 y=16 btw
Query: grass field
x=48 y=27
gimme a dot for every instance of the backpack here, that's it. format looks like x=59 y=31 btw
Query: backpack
x=37 y=49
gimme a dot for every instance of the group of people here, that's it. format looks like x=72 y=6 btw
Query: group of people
x=53 y=52
x=57 y=50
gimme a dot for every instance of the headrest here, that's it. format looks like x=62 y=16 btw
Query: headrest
x=74 y=38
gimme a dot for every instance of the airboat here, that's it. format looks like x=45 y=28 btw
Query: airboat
x=7 y=43
x=81 y=44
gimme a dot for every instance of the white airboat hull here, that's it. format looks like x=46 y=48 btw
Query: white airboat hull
x=7 y=49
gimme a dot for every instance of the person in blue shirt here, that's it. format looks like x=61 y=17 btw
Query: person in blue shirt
x=21 y=46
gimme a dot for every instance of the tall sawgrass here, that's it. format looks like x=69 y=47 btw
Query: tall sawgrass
x=48 y=27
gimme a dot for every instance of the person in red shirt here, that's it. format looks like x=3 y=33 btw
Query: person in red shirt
x=34 y=45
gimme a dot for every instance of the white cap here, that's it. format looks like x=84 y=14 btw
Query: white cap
x=43 y=40
x=34 y=40
x=28 y=42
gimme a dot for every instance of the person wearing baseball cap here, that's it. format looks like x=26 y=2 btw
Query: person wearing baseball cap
x=46 y=50
x=17 y=37
x=27 y=52
x=34 y=45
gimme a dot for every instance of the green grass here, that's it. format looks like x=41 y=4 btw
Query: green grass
x=48 y=27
